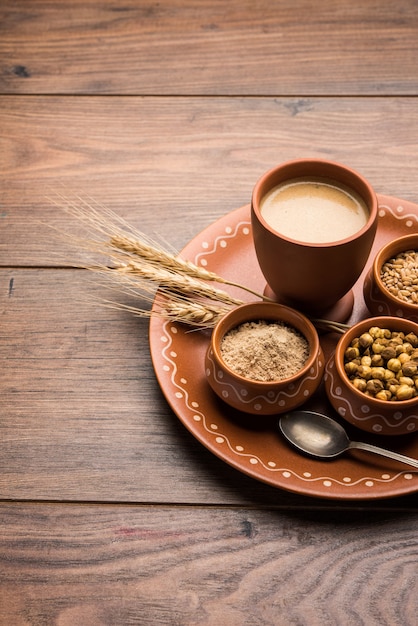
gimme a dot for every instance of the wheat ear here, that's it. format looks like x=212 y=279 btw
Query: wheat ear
x=158 y=256
x=123 y=237
x=181 y=283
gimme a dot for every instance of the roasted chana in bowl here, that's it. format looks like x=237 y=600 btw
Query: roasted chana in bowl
x=372 y=378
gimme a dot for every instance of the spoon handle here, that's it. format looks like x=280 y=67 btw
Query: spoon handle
x=388 y=453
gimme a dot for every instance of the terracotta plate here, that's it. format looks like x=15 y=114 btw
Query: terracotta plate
x=252 y=444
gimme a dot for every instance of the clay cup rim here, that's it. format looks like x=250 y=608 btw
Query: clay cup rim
x=319 y=168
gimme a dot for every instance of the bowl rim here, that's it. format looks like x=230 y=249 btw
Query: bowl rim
x=248 y=312
x=392 y=248
x=384 y=321
x=368 y=194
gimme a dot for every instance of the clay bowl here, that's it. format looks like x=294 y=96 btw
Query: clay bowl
x=378 y=299
x=365 y=412
x=260 y=397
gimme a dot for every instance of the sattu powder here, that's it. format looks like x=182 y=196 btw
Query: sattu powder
x=264 y=351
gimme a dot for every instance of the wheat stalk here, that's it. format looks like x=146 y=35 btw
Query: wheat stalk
x=329 y=325
x=161 y=257
x=196 y=314
x=170 y=303
x=158 y=256
x=124 y=239
x=193 y=313
x=138 y=261
x=179 y=283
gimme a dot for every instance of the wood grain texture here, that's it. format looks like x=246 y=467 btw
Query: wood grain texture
x=171 y=167
x=82 y=415
x=211 y=47
x=106 y=565
x=111 y=513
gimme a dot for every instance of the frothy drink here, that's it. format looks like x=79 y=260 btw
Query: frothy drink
x=314 y=210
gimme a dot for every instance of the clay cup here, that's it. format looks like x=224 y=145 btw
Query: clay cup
x=315 y=278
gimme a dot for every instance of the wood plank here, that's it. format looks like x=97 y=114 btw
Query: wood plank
x=82 y=416
x=173 y=166
x=102 y=565
x=180 y=47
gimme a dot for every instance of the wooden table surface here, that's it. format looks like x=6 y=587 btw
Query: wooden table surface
x=167 y=113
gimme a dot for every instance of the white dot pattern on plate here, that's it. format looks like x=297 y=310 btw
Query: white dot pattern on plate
x=182 y=394
x=221 y=242
x=272 y=465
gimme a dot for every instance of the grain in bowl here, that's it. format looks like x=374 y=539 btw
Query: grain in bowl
x=275 y=363
x=391 y=284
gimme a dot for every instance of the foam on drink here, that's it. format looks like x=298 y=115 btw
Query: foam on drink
x=314 y=210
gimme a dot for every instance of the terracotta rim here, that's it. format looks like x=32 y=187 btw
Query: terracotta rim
x=393 y=323
x=272 y=312
x=388 y=251
x=346 y=174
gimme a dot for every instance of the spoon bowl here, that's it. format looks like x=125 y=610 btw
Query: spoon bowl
x=322 y=437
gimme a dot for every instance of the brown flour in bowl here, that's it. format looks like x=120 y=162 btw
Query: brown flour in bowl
x=264 y=351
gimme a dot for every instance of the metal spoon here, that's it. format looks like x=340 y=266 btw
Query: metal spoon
x=321 y=436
